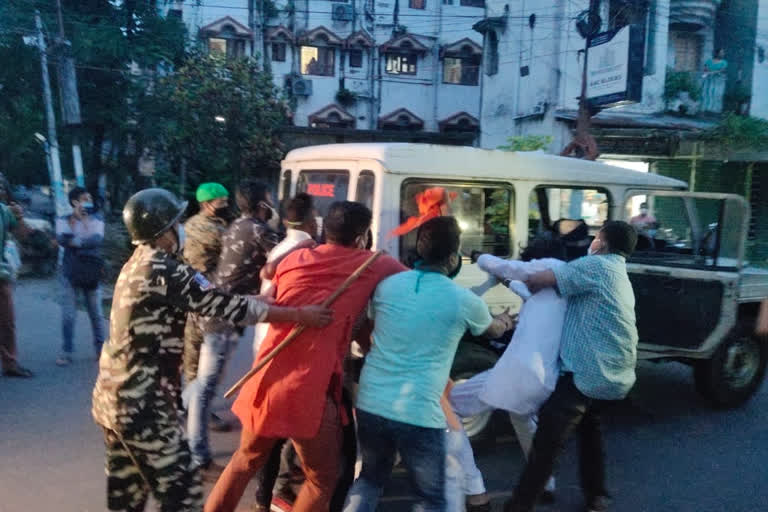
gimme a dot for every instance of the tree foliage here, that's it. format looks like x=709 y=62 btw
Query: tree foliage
x=526 y=143
x=736 y=132
x=218 y=117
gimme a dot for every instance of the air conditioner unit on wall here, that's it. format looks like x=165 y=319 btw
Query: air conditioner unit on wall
x=301 y=86
x=341 y=12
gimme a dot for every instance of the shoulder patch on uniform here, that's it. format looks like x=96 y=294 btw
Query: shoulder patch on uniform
x=200 y=279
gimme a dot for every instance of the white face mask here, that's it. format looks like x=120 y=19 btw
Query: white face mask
x=181 y=237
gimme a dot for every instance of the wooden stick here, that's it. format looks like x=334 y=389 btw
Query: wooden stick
x=300 y=328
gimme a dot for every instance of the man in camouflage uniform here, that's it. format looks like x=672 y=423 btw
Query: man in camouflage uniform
x=137 y=391
x=201 y=251
x=244 y=251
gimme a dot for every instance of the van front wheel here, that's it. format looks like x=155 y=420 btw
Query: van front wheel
x=735 y=371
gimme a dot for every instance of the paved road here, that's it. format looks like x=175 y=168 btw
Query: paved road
x=667 y=452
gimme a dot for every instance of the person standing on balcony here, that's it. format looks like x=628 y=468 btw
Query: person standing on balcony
x=713 y=85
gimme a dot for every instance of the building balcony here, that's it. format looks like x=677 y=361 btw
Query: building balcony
x=702 y=93
x=692 y=14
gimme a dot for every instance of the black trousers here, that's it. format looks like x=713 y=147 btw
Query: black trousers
x=567 y=410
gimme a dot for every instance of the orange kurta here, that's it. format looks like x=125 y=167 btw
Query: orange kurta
x=287 y=397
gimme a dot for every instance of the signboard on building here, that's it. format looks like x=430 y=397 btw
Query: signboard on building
x=615 y=67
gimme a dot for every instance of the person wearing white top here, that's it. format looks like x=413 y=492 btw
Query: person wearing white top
x=299 y=233
x=526 y=374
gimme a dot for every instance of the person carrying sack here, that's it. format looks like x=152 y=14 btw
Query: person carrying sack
x=81 y=234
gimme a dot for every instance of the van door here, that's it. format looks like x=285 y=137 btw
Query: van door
x=685 y=270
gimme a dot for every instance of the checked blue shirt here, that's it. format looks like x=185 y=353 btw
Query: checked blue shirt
x=599 y=342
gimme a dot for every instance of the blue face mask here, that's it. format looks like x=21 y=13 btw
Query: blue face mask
x=88 y=207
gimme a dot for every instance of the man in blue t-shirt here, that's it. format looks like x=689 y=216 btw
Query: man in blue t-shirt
x=419 y=317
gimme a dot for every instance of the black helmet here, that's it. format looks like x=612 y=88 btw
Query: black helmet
x=151 y=212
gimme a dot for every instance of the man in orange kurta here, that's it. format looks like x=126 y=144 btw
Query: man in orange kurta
x=297 y=394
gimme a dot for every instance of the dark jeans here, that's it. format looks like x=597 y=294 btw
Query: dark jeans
x=423 y=453
x=566 y=411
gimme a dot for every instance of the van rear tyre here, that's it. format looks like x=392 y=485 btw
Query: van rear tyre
x=735 y=371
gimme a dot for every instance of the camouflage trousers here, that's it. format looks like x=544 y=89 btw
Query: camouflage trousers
x=151 y=461
x=193 y=340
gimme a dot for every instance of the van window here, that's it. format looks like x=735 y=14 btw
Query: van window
x=686 y=231
x=547 y=205
x=325 y=187
x=483 y=213
x=364 y=192
x=285 y=186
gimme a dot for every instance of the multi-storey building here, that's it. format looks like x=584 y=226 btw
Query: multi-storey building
x=700 y=59
x=408 y=66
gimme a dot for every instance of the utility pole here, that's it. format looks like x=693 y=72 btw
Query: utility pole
x=584 y=144
x=60 y=202
x=70 y=100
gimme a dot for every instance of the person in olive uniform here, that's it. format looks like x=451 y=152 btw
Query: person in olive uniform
x=137 y=391
x=201 y=252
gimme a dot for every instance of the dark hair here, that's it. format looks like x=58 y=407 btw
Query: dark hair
x=620 y=237
x=249 y=194
x=75 y=193
x=438 y=239
x=346 y=221
x=546 y=245
x=299 y=209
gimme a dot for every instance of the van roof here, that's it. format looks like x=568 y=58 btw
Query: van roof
x=466 y=162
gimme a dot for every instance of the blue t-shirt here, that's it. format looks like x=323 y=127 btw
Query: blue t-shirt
x=419 y=318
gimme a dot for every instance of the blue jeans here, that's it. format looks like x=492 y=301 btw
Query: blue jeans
x=69 y=314
x=423 y=453
x=199 y=394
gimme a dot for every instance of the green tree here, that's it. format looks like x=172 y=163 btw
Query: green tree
x=526 y=143
x=217 y=117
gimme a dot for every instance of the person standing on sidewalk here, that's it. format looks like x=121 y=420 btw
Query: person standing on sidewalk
x=11 y=222
x=418 y=319
x=298 y=394
x=81 y=234
x=201 y=252
x=598 y=354
x=245 y=245
x=136 y=396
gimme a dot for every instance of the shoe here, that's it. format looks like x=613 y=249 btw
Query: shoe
x=279 y=504
x=258 y=507
x=598 y=504
x=211 y=471
x=218 y=424
x=482 y=507
x=63 y=360
x=18 y=371
x=547 y=497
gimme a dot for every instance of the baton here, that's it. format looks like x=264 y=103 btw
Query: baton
x=300 y=328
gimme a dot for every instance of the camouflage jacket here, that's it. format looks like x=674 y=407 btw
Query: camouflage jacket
x=203 y=245
x=245 y=246
x=139 y=370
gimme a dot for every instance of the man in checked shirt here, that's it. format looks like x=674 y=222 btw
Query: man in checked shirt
x=598 y=354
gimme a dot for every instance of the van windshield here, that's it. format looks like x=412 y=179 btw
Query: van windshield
x=325 y=187
x=482 y=211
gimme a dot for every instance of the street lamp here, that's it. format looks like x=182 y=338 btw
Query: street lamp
x=220 y=119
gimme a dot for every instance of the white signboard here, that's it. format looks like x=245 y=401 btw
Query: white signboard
x=608 y=64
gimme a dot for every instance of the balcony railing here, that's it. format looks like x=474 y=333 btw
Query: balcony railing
x=693 y=92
